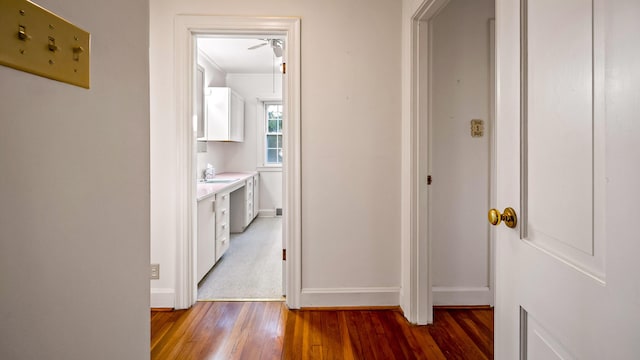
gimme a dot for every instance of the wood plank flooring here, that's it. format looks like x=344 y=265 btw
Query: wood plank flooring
x=268 y=330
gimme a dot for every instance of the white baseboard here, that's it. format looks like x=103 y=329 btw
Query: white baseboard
x=267 y=213
x=343 y=297
x=460 y=296
x=163 y=298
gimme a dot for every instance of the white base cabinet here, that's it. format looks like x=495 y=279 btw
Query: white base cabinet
x=222 y=223
x=216 y=221
x=244 y=205
x=248 y=212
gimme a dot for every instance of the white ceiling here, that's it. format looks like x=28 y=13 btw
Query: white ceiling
x=233 y=57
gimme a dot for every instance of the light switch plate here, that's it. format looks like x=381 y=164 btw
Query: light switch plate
x=477 y=128
x=37 y=41
x=155 y=271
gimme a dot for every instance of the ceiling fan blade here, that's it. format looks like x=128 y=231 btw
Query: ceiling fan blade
x=256 y=46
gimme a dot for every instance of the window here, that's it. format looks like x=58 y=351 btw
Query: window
x=273 y=133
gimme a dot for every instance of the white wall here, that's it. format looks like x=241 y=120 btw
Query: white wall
x=74 y=215
x=244 y=156
x=215 y=155
x=350 y=144
x=460 y=163
x=270 y=192
x=213 y=75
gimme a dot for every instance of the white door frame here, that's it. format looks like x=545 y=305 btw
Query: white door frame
x=420 y=300
x=185 y=30
x=419 y=267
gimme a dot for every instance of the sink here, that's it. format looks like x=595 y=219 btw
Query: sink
x=213 y=181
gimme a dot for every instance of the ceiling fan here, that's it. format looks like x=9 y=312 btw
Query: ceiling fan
x=276 y=45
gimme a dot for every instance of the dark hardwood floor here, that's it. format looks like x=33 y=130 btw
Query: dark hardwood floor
x=268 y=330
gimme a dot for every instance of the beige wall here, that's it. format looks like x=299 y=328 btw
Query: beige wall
x=350 y=138
x=74 y=208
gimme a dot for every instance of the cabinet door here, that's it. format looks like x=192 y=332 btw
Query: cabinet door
x=206 y=237
x=237 y=118
x=224 y=115
x=256 y=195
x=217 y=110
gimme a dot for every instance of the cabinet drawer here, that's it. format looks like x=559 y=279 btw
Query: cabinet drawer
x=248 y=193
x=222 y=216
x=222 y=208
x=222 y=229
x=249 y=212
x=222 y=244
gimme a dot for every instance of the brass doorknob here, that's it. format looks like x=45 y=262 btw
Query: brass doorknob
x=508 y=216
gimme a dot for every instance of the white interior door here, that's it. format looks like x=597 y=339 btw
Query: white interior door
x=558 y=296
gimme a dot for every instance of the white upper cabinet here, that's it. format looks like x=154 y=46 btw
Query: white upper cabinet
x=225 y=115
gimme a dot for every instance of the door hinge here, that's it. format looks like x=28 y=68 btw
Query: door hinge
x=284 y=254
x=284 y=68
x=429 y=179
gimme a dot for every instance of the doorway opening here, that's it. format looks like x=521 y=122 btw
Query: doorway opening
x=452 y=166
x=236 y=190
x=460 y=121
x=240 y=117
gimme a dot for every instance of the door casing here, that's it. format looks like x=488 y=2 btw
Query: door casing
x=187 y=27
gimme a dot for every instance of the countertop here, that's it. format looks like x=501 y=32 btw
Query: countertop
x=205 y=190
